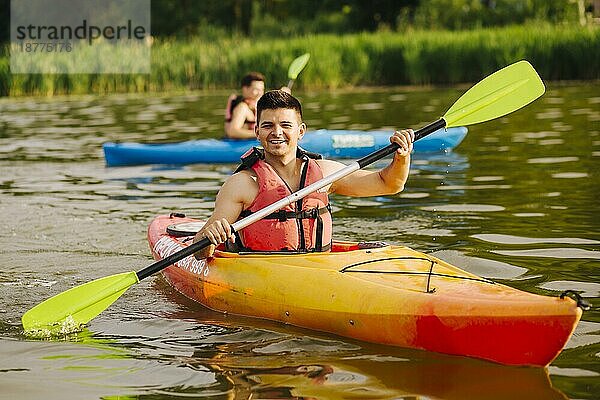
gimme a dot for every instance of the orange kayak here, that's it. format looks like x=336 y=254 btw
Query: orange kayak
x=378 y=293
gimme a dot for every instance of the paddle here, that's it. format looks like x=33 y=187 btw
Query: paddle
x=499 y=94
x=296 y=67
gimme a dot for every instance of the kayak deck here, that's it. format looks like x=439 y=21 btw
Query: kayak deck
x=389 y=295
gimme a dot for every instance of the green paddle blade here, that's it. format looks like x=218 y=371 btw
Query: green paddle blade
x=298 y=65
x=79 y=305
x=499 y=94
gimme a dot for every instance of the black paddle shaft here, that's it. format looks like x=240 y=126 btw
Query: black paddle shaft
x=386 y=151
x=173 y=258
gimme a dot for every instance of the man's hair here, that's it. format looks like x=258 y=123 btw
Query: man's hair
x=275 y=99
x=251 y=77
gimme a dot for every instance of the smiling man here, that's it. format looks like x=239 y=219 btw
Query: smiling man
x=280 y=168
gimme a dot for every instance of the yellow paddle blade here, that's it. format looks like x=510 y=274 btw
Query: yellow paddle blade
x=298 y=65
x=499 y=94
x=69 y=310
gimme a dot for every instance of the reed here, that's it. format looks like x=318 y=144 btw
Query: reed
x=413 y=57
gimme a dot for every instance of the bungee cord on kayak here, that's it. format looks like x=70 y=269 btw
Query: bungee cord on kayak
x=432 y=263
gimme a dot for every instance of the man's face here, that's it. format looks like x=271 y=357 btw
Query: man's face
x=254 y=91
x=279 y=130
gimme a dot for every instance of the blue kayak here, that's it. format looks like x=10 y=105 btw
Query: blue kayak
x=329 y=143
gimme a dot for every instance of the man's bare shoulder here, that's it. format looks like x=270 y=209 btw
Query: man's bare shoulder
x=241 y=186
x=242 y=178
x=242 y=106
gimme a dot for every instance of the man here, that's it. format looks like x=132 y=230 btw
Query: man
x=283 y=168
x=240 y=115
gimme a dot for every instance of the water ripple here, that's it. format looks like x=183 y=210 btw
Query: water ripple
x=463 y=208
x=559 y=252
x=551 y=160
x=572 y=372
x=304 y=345
x=586 y=289
x=472 y=187
x=90 y=371
x=511 y=239
x=570 y=175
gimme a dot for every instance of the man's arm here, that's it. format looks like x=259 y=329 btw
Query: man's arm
x=235 y=129
x=389 y=180
x=238 y=192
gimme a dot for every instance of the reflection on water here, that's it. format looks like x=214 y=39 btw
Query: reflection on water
x=516 y=202
x=204 y=354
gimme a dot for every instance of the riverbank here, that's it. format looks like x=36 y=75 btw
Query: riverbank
x=367 y=59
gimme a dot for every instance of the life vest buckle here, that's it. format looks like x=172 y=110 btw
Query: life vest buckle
x=313 y=213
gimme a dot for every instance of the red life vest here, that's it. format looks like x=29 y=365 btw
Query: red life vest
x=232 y=102
x=305 y=226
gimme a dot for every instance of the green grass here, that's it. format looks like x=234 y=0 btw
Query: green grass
x=370 y=59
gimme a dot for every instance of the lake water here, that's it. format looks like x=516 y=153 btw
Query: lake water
x=517 y=202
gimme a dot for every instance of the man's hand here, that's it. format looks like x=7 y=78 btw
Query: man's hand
x=217 y=232
x=404 y=139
